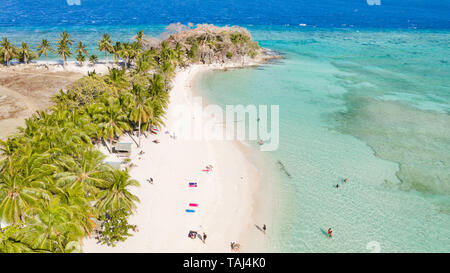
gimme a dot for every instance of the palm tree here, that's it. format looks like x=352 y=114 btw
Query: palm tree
x=105 y=44
x=145 y=61
x=53 y=229
x=112 y=121
x=63 y=47
x=128 y=52
x=167 y=54
x=85 y=172
x=93 y=59
x=142 y=110
x=82 y=52
x=44 y=48
x=83 y=211
x=117 y=77
x=9 y=146
x=116 y=49
x=81 y=48
x=81 y=58
x=18 y=195
x=7 y=50
x=140 y=38
x=9 y=242
x=193 y=52
x=179 y=54
x=25 y=54
x=157 y=86
x=116 y=195
x=167 y=69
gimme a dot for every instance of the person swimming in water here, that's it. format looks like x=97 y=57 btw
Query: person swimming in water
x=346 y=180
x=330 y=233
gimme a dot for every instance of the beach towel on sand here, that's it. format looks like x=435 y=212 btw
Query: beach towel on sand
x=190 y=210
x=193 y=205
x=192 y=184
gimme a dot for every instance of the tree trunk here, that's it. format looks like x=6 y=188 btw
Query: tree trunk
x=106 y=56
x=139 y=133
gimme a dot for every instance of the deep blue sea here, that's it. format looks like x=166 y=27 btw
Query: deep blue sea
x=363 y=90
x=422 y=14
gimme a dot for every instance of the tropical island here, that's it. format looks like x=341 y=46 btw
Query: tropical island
x=58 y=187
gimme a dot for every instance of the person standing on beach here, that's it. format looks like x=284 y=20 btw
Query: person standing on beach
x=204 y=238
x=264 y=229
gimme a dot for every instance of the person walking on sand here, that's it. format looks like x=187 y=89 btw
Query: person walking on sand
x=264 y=229
x=330 y=233
x=204 y=238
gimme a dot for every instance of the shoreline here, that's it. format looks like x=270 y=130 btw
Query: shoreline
x=227 y=209
x=102 y=66
x=53 y=66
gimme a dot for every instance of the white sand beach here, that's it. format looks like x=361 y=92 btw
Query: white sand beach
x=225 y=196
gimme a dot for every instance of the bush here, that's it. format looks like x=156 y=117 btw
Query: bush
x=114 y=228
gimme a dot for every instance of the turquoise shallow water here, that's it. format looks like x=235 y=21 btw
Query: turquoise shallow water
x=372 y=106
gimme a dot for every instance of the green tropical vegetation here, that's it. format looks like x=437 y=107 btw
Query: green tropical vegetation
x=7 y=51
x=63 y=47
x=105 y=45
x=55 y=188
x=44 y=48
x=93 y=59
x=25 y=54
x=81 y=52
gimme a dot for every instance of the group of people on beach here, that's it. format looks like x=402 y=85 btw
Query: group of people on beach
x=236 y=247
x=193 y=234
